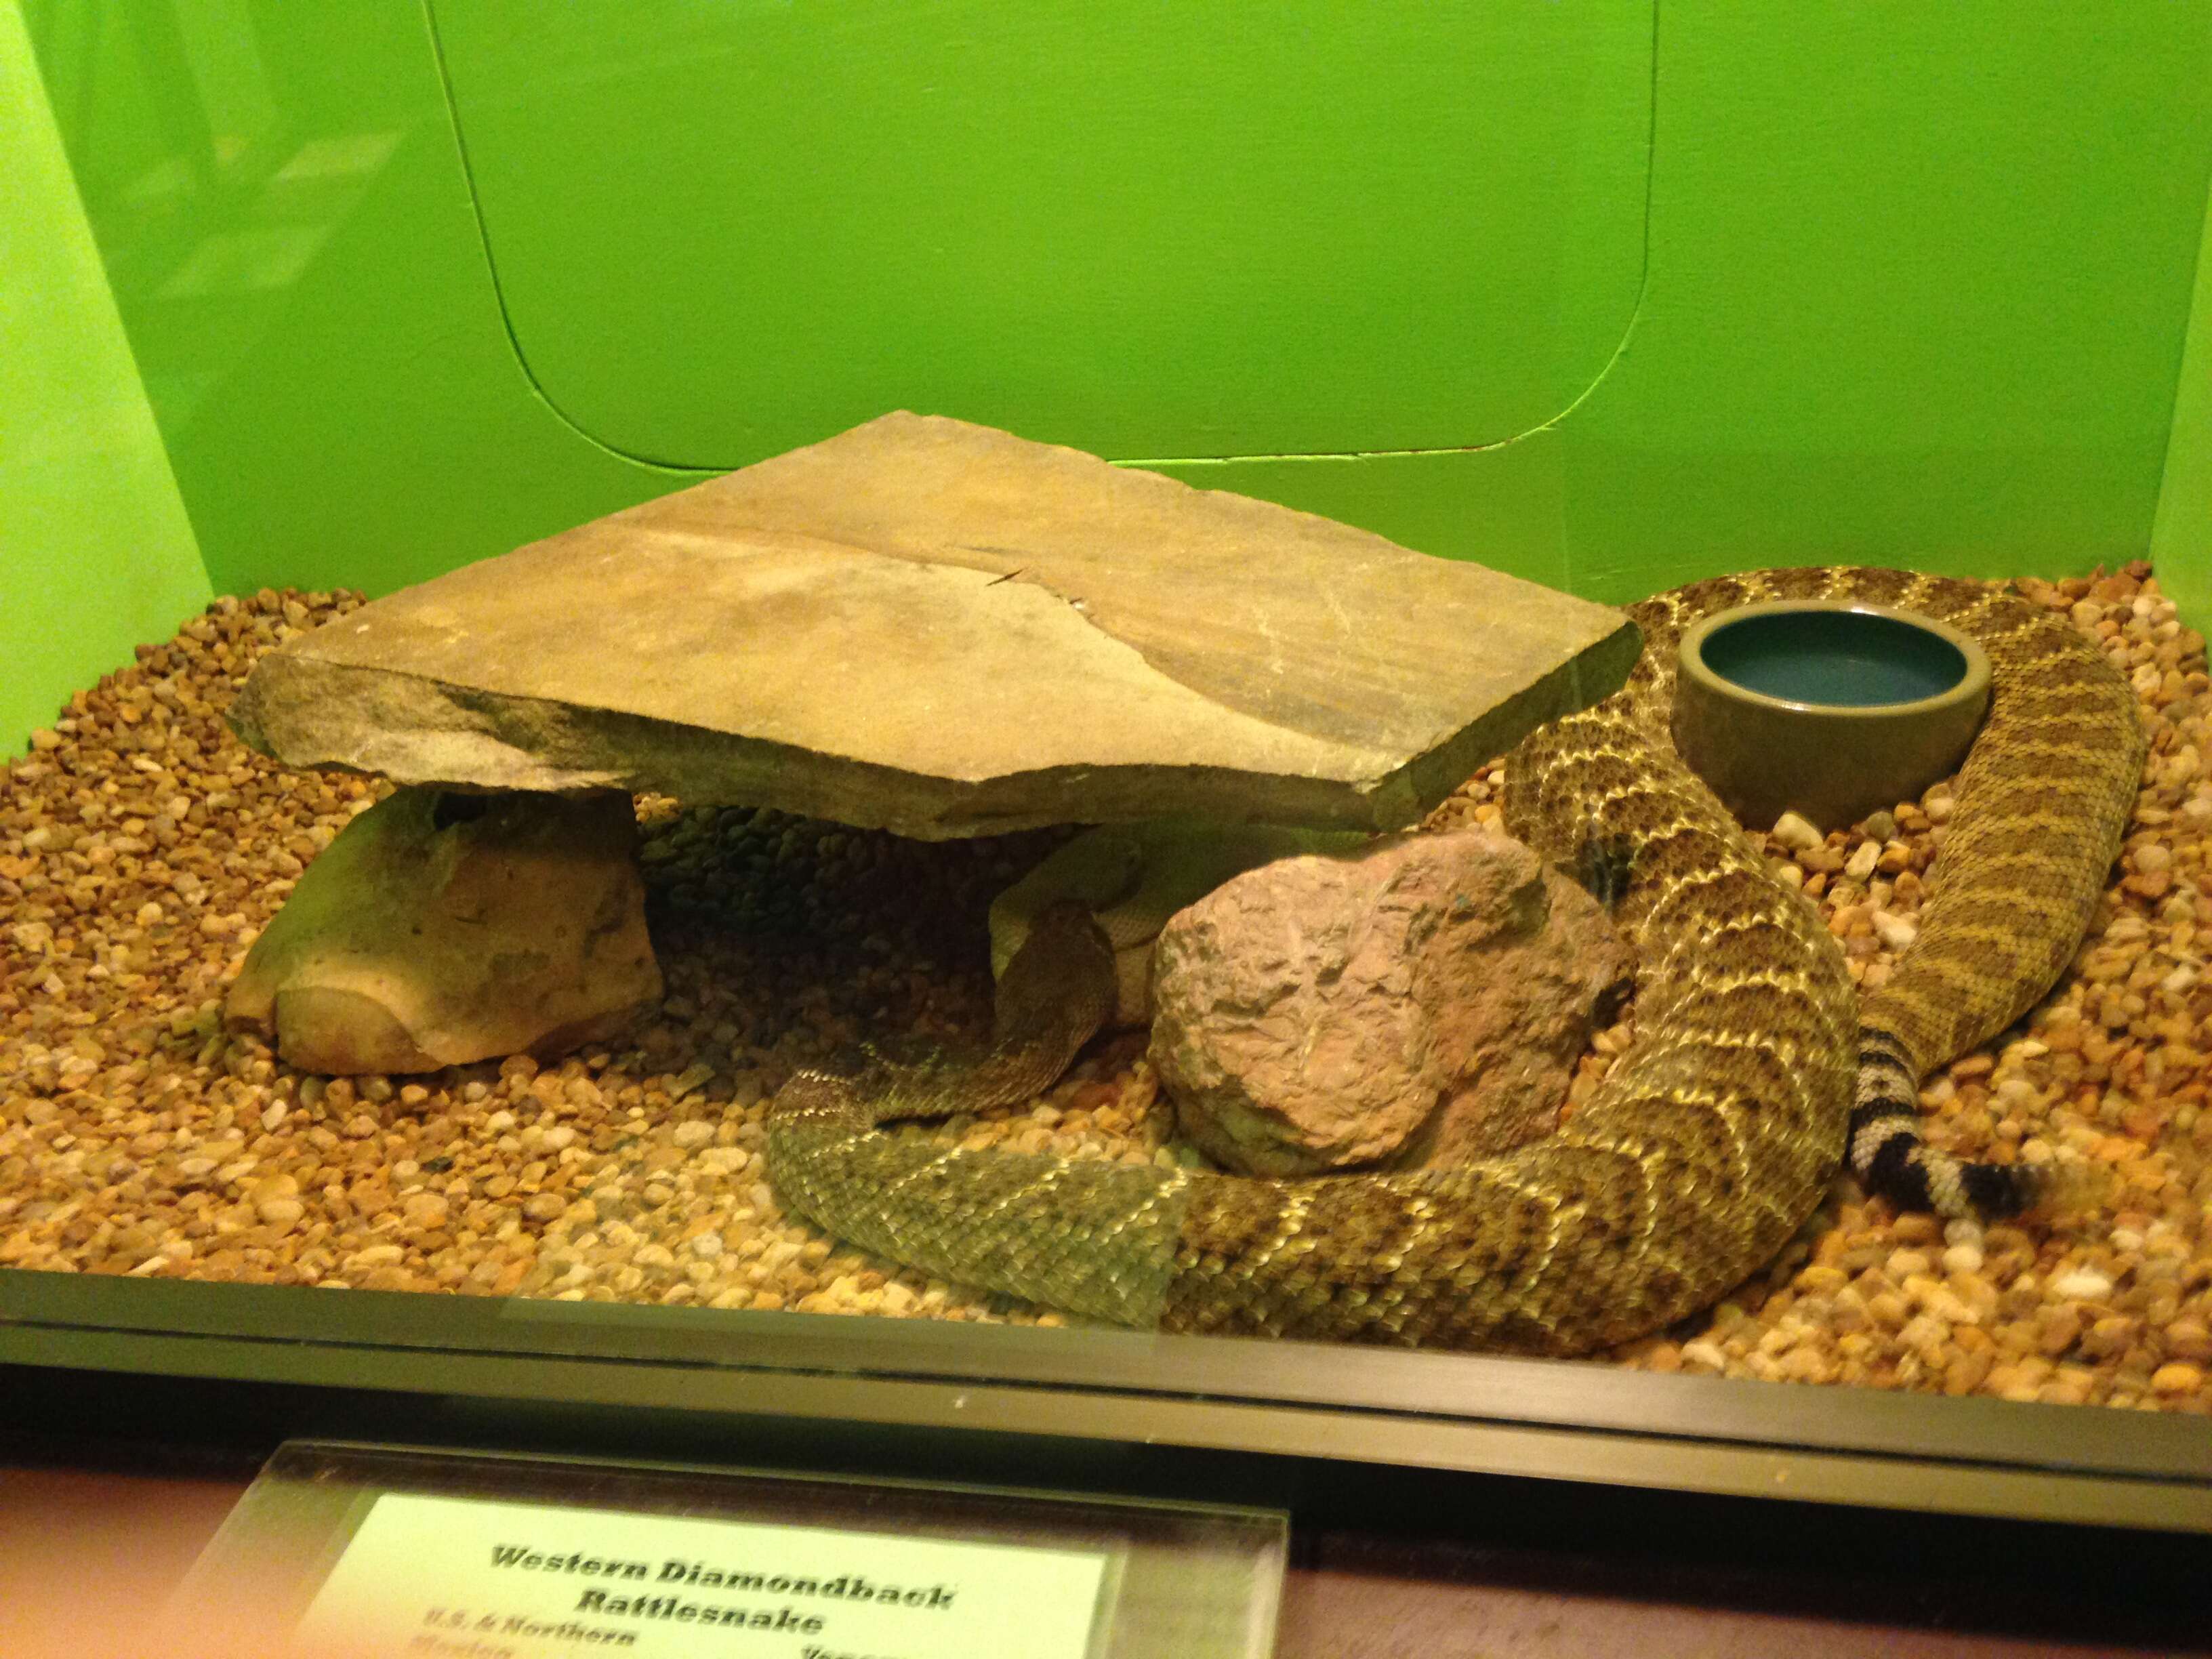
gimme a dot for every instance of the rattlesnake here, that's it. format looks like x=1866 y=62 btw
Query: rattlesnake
x=1753 y=1072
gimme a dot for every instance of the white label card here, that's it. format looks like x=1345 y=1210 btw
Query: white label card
x=463 y=1578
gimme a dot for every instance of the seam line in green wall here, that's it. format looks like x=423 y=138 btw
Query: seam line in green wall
x=2200 y=286
x=692 y=470
x=492 y=270
x=1620 y=351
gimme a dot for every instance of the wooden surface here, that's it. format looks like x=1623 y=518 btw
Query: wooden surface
x=86 y=1554
x=943 y=629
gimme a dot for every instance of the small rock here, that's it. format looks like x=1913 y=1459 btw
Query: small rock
x=426 y=1211
x=1895 y=932
x=282 y=1213
x=440 y=929
x=1433 y=990
x=2189 y=1338
x=692 y=1133
x=1795 y=833
x=2082 y=1285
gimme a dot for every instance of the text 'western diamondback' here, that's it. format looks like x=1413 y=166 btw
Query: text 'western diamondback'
x=845 y=1587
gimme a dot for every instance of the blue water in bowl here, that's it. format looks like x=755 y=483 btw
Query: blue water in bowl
x=1843 y=658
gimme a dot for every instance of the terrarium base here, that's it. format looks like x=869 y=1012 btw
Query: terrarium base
x=142 y=849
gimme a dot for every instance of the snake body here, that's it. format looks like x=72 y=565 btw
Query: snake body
x=1753 y=1071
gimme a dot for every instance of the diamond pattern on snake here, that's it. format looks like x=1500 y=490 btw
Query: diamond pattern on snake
x=1755 y=1074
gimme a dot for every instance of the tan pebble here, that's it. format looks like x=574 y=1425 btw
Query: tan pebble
x=2109 y=1335
x=2178 y=1378
x=696 y=1132
x=425 y=1211
x=1888 y=1309
x=1821 y=1280
x=282 y=1213
x=544 y=1206
x=2057 y=1330
x=767 y=1301
x=1809 y=1364
x=2082 y=1285
x=1862 y=862
x=1965 y=1371
x=1895 y=932
x=1963 y=1259
x=1919 y=1228
x=2188 y=1339
x=1795 y=833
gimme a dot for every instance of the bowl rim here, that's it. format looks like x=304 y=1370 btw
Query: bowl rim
x=1972 y=684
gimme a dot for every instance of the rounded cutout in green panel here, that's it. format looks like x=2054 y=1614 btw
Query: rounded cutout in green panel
x=1145 y=227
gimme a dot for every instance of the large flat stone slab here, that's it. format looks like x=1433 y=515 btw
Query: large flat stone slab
x=944 y=630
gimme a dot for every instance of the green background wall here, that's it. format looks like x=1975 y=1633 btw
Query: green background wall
x=410 y=282
x=96 y=552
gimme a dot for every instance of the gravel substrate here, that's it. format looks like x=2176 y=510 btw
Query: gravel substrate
x=141 y=848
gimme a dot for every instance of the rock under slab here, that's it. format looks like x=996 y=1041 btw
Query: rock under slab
x=1421 y=1002
x=442 y=927
x=1134 y=877
x=944 y=630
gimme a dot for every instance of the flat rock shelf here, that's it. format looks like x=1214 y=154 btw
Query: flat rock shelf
x=943 y=629
x=142 y=847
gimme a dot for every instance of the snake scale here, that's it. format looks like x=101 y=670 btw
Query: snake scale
x=1752 y=1072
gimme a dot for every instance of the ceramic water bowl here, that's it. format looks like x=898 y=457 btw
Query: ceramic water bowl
x=1830 y=708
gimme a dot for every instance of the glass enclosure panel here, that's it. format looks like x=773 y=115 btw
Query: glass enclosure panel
x=1614 y=302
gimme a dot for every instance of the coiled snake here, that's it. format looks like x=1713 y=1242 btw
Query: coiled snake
x=1752 y=1074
